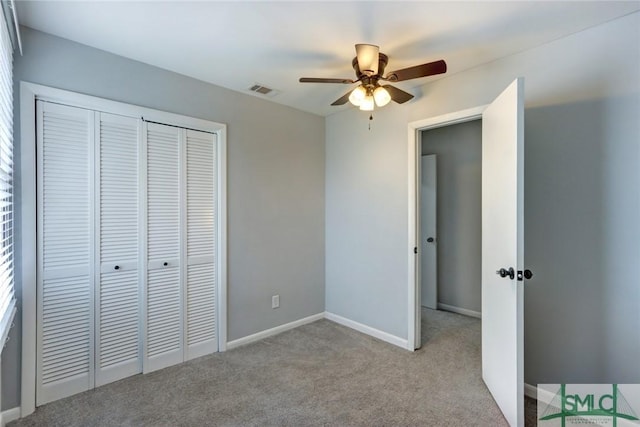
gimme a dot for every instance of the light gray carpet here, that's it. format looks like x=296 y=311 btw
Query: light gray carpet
x=321 y=374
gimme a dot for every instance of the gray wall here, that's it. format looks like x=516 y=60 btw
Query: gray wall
x=582 y=202
x=275 y=180
x=459 y=211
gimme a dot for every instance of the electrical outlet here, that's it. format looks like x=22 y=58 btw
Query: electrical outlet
x=275 y=301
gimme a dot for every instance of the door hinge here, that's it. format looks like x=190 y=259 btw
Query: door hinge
x=415 y=250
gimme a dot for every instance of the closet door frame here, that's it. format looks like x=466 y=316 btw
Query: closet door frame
x=29 y=93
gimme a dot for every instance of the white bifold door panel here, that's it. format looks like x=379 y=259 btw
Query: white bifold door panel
x=201 y=244
x=164 y=302
x=65 y=327
x=181 y=245
x=503 y=248
x=118 y=314
x=89 y=297
x=127 y=247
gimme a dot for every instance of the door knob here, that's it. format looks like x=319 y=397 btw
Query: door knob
x=165 y=263
x=117 y=267
x=503 y=272
x=430 y=239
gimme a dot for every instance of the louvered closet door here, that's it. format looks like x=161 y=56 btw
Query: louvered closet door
x=65 y=347
x=164 y=309
x=201 y=244
x=118 y=311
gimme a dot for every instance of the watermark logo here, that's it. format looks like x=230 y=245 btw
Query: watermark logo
x=614 y=405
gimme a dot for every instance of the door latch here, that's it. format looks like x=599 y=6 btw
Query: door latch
x=511 y=274
x=527 y=274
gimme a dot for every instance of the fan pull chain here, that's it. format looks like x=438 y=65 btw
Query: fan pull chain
x=370 y=118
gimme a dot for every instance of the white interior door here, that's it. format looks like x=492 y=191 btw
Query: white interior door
x=428 y=238
x=503 y=247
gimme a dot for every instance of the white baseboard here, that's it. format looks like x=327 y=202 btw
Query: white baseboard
x=368 y=330
x=384 y=336
x=534 y=392
x=9 y=415
x=273 y=331
x=540 y=394
x=531 y=391
x=453 y=309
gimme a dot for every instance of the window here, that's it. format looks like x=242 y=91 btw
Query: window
x=7 y=294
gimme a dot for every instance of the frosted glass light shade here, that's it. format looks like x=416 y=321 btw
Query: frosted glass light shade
x=382 y=97
x=367 y=103
x=357 y=96
x=368 y=58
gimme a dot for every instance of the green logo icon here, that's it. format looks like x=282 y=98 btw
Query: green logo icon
x=586 y=405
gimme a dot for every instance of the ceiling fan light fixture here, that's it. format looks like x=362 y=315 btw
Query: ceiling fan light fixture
x=369 y=66
x=381 y=96
x=368 y=57
x=367 y=103
x=357 y=96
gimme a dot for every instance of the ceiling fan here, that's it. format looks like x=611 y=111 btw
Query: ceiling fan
x=369 y=65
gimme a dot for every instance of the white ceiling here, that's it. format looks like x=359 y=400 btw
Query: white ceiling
x=237 y=44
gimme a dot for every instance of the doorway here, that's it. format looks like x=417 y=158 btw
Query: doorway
x=502 y=259
x=450 y=212
x=415 y=150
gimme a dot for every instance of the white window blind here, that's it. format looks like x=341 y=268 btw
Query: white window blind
x=7 y=295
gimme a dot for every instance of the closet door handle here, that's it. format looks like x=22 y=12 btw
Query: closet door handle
x=117 y=267
x=165 y=263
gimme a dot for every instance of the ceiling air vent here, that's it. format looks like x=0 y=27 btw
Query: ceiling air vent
x=263 y=90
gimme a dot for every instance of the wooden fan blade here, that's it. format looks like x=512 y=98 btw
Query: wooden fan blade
x=322 y=80
x=398 y=95
x=424 y=70
x=342 y=100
